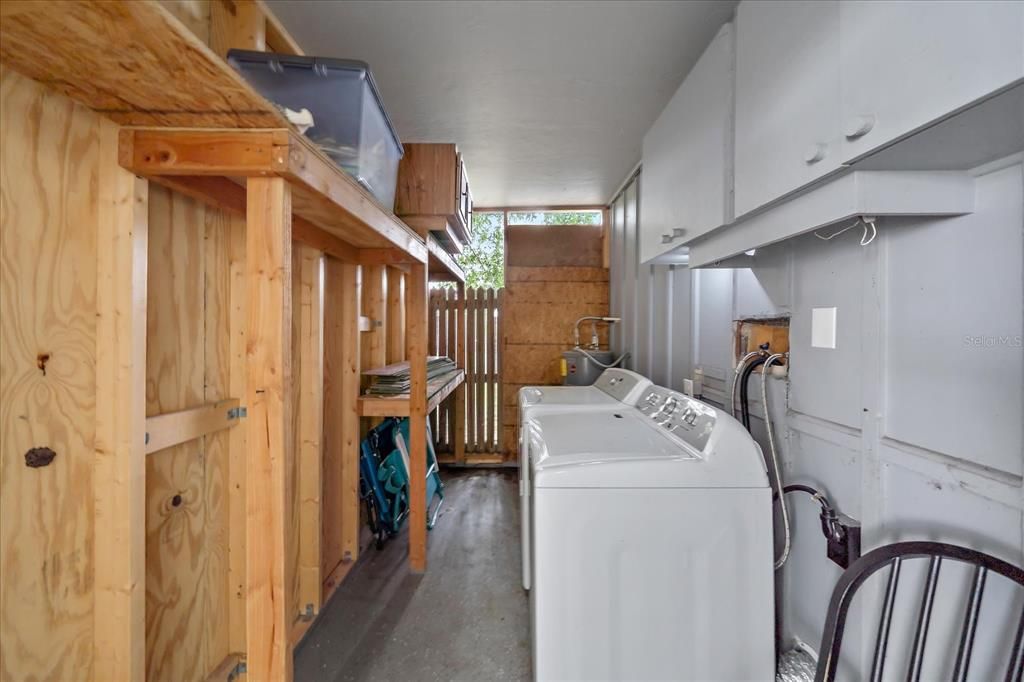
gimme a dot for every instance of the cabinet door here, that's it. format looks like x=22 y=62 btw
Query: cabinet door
x=686 y=155
x=787 y=98
x=907 y=64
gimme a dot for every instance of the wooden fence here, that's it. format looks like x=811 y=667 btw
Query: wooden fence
x=482 y=359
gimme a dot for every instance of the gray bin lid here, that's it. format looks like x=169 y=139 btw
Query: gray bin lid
x=241 y=59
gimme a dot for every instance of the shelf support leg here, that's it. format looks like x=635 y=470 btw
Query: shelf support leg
x=120 y=465
x=416 y=351
x=269 y=429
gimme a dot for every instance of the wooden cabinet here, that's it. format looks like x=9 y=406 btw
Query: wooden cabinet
x=787 y=98
x=907 y=64
x=687 y=157
x=433 y=193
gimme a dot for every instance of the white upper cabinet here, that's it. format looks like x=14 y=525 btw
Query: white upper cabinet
x=788 y=123
x=907 y=64
x=686 y=156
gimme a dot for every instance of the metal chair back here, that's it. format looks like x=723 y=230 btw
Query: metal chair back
x=894 y=556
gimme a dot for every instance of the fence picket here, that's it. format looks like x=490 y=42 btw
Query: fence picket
x=481 y=313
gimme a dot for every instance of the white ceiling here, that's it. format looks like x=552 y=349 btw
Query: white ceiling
x=548 y=101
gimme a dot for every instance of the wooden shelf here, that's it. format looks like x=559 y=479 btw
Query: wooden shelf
x=133 y=62
x=331 y=210
x=441 y=266
x=398 y=406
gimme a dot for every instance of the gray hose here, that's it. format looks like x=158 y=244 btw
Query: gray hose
x=735 y=379
x=780 y=562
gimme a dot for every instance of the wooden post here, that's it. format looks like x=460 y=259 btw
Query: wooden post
x=416 y=351
x=459 y=432
x=268 y=398
x=349 y=412
x=311 y=412
x=119 y=642
x=396 y=316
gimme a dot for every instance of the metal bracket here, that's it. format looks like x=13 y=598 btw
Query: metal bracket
x=239 y=669
x=237 y=412
x=309 y=614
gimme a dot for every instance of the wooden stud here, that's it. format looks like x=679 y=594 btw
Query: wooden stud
x=277 y=37
x=459 y=432
x=268 y=399
x=396 y=316
x=311 y=412
x=237 y=438
x=416 y=350
x=349 y=410
x=237 y=24
x=120 y=467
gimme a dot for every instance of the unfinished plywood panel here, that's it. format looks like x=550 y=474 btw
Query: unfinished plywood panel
x=186 y=485
x=396 y=316
x=48 y=250
x=545 y=246
x=67 y=46
x=340 y=509
x=543 y=297
x=373 y=344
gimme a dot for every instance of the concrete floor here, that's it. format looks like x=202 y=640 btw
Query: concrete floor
x=465 y=619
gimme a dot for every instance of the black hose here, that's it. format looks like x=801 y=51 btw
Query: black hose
x=744 y=380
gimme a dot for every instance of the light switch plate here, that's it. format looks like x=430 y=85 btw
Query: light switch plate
x=823 y=328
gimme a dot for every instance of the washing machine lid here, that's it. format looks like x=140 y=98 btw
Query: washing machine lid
x=626 y=449
x=614 y=386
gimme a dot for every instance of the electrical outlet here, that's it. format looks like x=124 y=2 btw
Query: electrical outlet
x=845 y=549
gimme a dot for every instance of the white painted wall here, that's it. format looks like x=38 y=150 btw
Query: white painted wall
x=914 y=424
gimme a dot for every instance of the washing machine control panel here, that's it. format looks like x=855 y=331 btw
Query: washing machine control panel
x=622 y=384
x=684 y=417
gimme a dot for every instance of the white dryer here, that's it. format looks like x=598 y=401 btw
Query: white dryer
x=651 y=542
x=614 y=389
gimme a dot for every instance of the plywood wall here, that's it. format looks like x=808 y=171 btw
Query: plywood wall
x=553 y=276
x=48 y=211
x=187 y=514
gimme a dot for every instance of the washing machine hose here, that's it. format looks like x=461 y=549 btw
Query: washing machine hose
x=771 y=360
x=744 y=383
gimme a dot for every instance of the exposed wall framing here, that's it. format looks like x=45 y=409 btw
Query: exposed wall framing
x=194 y=370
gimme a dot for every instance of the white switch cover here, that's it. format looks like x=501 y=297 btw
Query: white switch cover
x=823 y=327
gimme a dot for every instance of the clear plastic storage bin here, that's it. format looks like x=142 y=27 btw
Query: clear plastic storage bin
x=349 y=121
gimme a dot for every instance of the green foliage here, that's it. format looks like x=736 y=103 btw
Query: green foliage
x=555 y=218
x=483 y=259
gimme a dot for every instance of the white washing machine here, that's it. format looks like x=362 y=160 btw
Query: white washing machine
x=651 y=541
x=613 y=390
